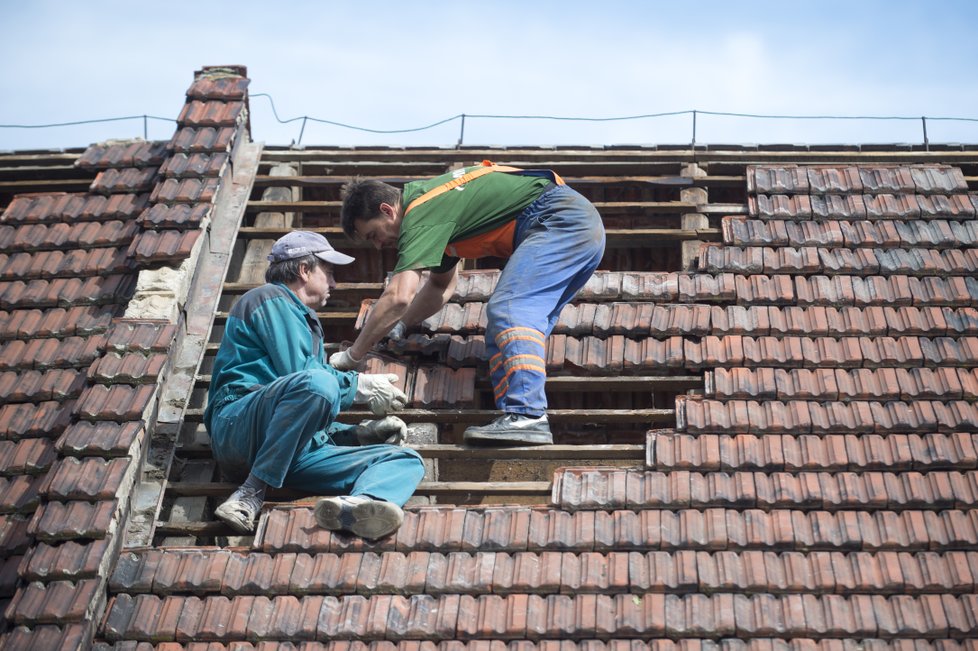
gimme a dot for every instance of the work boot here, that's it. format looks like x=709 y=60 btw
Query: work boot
x=241 y=509
x=511 y=429
x=360 y=515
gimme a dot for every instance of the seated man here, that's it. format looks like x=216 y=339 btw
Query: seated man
x=273 y=402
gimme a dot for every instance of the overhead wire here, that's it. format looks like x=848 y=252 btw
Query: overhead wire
x=485 y=116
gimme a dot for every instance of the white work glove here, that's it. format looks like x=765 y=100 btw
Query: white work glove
x=397 y=332
x=377 y=391
x=390 y=430
x=343 y=361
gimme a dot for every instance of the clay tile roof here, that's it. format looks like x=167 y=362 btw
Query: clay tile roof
x=766 y=420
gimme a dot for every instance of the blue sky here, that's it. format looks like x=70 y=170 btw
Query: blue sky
x=399 y=65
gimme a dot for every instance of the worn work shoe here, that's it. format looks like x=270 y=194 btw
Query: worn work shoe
x=511 y=429
x=359 y=515
x=241 y=509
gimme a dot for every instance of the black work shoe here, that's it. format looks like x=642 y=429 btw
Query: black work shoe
x=511 y=429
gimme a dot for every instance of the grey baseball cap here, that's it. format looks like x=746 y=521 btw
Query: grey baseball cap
x=302 y=243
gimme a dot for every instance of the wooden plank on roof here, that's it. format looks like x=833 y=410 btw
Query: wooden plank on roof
x=597 y=383
x=595 y=452
x=67 y=185
x=605 y=207
x=223 y=489
x=617 y=237
x=575 y=416
x=333 y=181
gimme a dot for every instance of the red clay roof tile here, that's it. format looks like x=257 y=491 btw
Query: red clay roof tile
x=27 y=456
x=68 y=561
x=85 y=438
x=198 y=113
x=163 y=246
x=136 y=153
x=86 y=479
x=19 y=494
x=131 y=368
x=117 y=403
x=56 y=521
x=129 y=180
x=207 y=86
x=25 y=420
x=938 y=179
x=203 y=139
x=176 y=216
x=69 y=636
x=789 y=178
x=52 y=603
x=194 y=165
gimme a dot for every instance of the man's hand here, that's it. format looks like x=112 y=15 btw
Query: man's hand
x=343 y=361
x=390 y=430
x=397 y=332
x=378 y=392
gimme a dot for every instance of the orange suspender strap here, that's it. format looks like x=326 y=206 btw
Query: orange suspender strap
x=486 y=168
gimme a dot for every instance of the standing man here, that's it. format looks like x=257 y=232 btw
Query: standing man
x=553 y=237
x=273 y=402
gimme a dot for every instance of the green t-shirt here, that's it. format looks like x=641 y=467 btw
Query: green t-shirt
x=476 y=207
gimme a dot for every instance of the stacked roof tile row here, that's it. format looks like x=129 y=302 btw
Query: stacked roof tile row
x=78 y=383
x=900 y=392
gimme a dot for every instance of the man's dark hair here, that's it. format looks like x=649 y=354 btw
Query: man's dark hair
x=287 y=271
x=361 y=201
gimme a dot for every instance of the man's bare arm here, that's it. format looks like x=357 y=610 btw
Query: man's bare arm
x=432 y=296
x=388 y=310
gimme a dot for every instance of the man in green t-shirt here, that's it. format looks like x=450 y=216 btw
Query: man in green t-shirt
x=553 y=237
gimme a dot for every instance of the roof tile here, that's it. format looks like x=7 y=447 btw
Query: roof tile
x=203 y=139
x=85 y=438
x=194 y=165
x=198 y=113
x=66 y=292
x=781 y=207
x=134 y=153
x=55 y=521
x=25 y=420
x=208 y=87
x=131 y=368
x=891 y=206
x=117 y=402
x=182 y=215
x=175 y=191
x=86 y=479
x=26 y=457
x=788 y=178
x=129 y=180
x=53 y=603
x=47 y=353
x=70 y=636
x=436 y=387
x=59 y=322
x=938 y=179
x=68 y=561
x=40 y=386
x=163 y=246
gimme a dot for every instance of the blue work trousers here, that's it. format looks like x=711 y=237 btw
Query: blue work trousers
x=559 y=242
x=279 y=434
